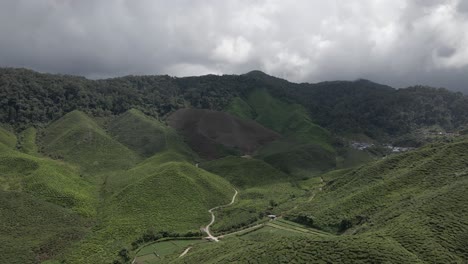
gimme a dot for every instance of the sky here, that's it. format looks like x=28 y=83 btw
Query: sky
x=394 y=42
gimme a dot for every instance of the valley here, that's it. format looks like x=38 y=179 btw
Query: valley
x=222 y=169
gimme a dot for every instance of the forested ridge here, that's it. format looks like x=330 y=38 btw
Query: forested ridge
x=32 y=98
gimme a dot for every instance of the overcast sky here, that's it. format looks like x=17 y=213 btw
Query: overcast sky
x=396 y=42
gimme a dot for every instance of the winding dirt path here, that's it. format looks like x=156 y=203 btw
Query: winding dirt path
x=185 y=252
x=207 y=228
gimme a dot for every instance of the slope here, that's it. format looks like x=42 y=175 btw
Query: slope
x=7 y=138
x=417 y=199
x=45 y=207
x=213 y=134
x=77 y=139
x=27 y=141
x=245 y=172
x=304 y=146
x=140 y=133
x=163 y=196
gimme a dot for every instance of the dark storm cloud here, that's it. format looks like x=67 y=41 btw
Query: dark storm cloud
x=399 y=42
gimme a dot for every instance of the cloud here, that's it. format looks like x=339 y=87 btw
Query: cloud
x=400 y=42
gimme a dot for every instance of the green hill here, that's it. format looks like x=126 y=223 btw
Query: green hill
x=27 y=141
x=417 y=199
x=77 y=139
x=172 y=197
x=7 y=138
x=45 y=207
x=34 y=230
x=140 y=133
x=263 y=190
x=245 y=172
x=407 y=208
x=304 y=148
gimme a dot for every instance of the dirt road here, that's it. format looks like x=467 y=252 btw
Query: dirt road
x=207 y=228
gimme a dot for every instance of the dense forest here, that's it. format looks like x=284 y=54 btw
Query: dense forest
x=31 y=98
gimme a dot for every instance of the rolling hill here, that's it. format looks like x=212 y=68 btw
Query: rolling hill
x=139 y=132
x=77 y=139
x=416 y=199
x=305 y=147
x=92 y=171
x=170 y=196
x=45 y=206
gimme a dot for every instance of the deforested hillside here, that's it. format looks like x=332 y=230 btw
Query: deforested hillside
x=77 y=139
x=213 y=133
x=304 y=147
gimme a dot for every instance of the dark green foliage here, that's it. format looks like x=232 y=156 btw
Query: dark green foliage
x=359 y=107
x=245 y=172
x=140 y=133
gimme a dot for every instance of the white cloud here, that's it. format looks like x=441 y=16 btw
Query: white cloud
x=233 y=50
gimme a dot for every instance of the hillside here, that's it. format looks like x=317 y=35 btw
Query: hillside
x=7 y=138
x=140 y=133
x=77 y=139
x=212 y=134
x=45 y=207
x=124 y=170
x=304 y=146
x=416 y=199
x=407 y=208
x=245 y=172
x=340 y=106
x=171 y=196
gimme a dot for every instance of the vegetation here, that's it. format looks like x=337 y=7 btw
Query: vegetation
x=304 y=148
x=27 y=141
x=7 y=138
x=91 y=173
x=45 y=207
x=77 y=139
x=416 y=199
x=140 y=133
x=245 y=172
x=30 y=98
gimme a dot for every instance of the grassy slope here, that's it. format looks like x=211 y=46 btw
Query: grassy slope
x=263 y=190
x=240 y=108
x=27 y=141
x=172 y=196
x=304 y=147
x=165 y=192
x=45 y=206
x=7 y=138
x=245 y=172
x=79 y=140
x=417 y=199
x=33 y=229
x=408 y=208
x=140 y=133
x=262 y=247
